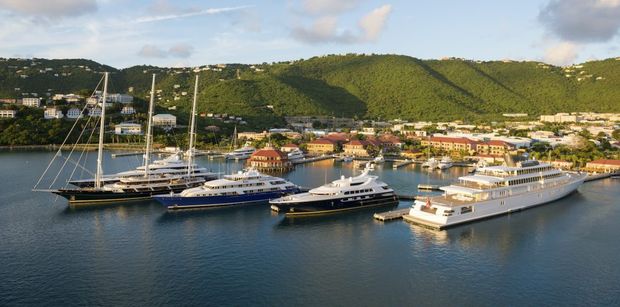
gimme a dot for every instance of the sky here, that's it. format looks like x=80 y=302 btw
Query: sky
x=124 y=33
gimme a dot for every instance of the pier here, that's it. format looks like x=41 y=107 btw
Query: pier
x=312 y=159
x=399 y=164
x=429 y=187
x=391 y=215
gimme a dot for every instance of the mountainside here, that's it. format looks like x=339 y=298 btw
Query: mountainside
x=364 y=86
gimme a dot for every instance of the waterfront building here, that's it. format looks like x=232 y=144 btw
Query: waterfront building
x=52 y=113
x=128 y=129
x=270 y=159
x=119 y=98
x=7 y=113
x=451 y=143
x=165 y=120
x=357 y=148
x=603 y=166
x=289 y=147
x=494 y=147
x=321 y=146
x=74 y=113
x=33 y=102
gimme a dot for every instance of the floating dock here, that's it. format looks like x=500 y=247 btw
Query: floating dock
x=597 y=177
x=400 y=164
x=429 y=187
x=314 y=159
x=391 y=215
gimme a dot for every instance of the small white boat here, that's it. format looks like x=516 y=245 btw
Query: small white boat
x=445 y=163
x=430 y=163
x=296 y=155
x=379 y=159
x=347 y=159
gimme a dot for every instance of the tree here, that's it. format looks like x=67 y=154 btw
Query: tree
x=616 y=134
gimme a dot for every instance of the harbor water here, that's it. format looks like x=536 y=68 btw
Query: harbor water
x=563 y=253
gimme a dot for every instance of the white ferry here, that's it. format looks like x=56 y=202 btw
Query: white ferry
x=492 y=191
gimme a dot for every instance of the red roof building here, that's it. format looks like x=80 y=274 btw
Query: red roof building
x=270 y=159
x=289 y=147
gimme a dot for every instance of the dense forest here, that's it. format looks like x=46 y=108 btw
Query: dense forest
x=362 y=86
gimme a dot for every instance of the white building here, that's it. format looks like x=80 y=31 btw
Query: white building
x=128 y=110
x=7 y=113
x=165 y=120
x=52 y=113
x=74 y=113
x=128 y=129
x=93 y=112
x=34 y=102
x=119 y=98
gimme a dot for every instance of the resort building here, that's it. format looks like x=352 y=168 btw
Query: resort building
x=494 y=147
x=253 y=136
x=128 y=110
x=52 y=113
x=357 y=148
x=128 y=129
x=33 y=102
x=94 y=112
x=270 y=159
x=7 y=113
x=603 y=166
x=451 y=144
x=165 y=120
x=321 y=146
x=74 y=113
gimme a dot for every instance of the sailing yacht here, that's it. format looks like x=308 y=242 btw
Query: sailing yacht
x=171 y=165
x=137 y=187
x=494 y=190
x=431 y=163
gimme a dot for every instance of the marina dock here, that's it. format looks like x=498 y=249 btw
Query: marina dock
x=399 y=164
x=312 y=159
x=597 y=177
x=391 y=215
x=428 y=187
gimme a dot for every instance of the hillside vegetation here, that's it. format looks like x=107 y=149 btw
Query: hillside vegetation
x=362 y=86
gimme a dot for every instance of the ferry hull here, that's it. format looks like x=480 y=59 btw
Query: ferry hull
x=178 y=202
x=493 y=207
x=310 y=208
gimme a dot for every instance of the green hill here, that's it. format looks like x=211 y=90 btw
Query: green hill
x=363 y=86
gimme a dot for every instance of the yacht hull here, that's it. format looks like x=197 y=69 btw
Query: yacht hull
x=78 y=197
x=492 y=207
x=320 y=207
x=179 y=202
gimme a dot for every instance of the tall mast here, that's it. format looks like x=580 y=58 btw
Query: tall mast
x=99 y=173
x=149 y=130
x=192 y=131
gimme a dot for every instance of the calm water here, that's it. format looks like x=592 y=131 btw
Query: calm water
x=565 y=253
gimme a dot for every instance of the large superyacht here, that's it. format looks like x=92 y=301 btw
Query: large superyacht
x=344 y=194
x=492 y=191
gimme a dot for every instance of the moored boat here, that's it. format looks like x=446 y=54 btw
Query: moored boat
x=492 y=191
x=245 y=187
x=344 y=194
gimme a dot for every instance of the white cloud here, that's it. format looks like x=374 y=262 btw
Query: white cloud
x=152 y=51
x=181 y=51
x=582 y=21
x=562 y=54
x=47 y=8
x=373 y=23
x=176 y=51
x=329 y=6
x=325 y=29
x=210 y=11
